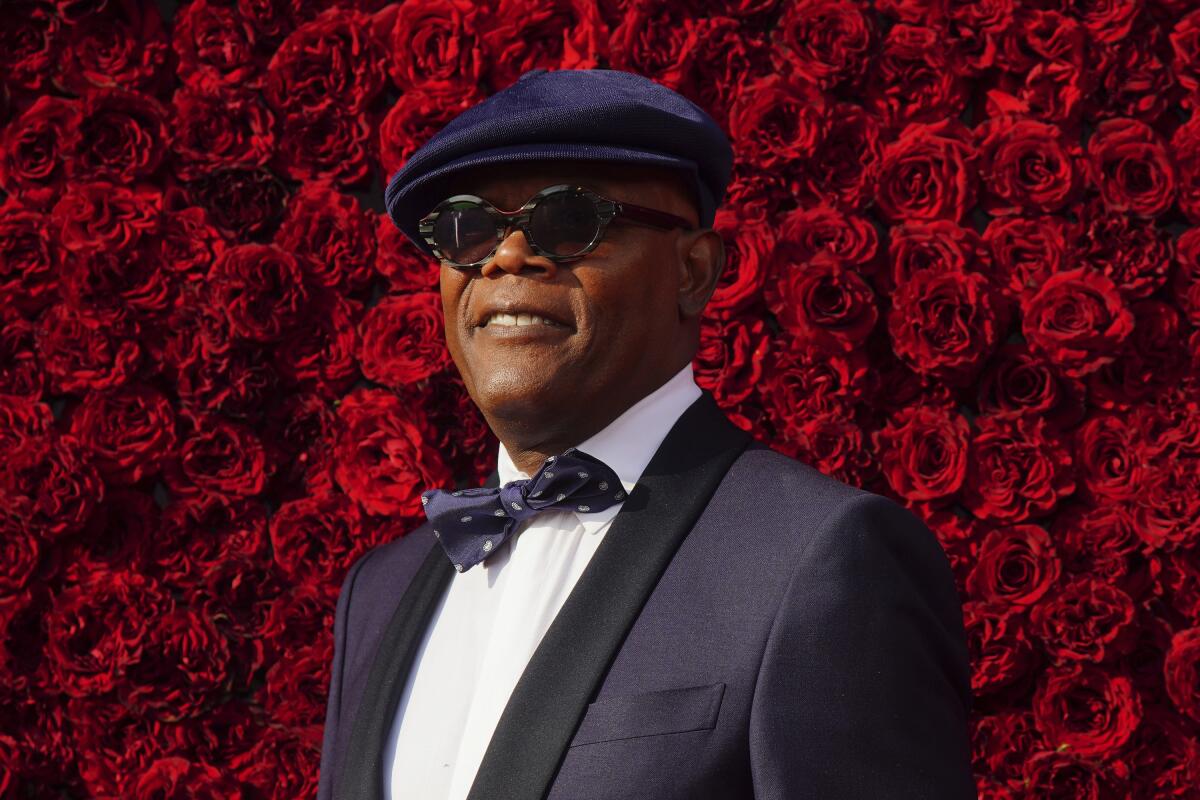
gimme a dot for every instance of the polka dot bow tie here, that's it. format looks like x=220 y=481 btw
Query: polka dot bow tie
x=472 y=523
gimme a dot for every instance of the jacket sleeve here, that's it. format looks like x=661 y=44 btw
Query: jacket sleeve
x=864 y=688
x=333 y=709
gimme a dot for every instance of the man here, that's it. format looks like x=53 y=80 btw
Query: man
x=642 y=603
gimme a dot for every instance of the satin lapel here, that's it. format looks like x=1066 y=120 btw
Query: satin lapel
x=363 y=771
x=564 y=672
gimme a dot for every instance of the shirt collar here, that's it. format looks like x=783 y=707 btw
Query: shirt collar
x=629 y=442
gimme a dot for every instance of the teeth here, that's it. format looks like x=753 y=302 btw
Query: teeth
x=518 y=320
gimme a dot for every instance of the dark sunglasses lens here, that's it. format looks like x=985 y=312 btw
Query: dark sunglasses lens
x=564 y=224
x=465 y=233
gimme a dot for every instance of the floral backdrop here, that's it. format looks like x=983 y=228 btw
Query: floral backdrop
x=964 y=272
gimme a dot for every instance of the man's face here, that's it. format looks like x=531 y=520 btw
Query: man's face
x=615 y=327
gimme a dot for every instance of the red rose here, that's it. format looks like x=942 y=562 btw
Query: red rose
x=29 y=259
x=1181 y=670
x=939 y=245
x=98 y=629
x=1001 y=653
x=1185 y=42
x=241 y=203
x=777 y=123
x=656 y=40
x=406 y=268
x=550 y=34
x=1130 y=166
x=730 y=359
x=383 y=455
x=914 y=77
x=1016 y=382
x=29 y=45
x=833 y=443
x=332 y=145
x=1086 y=620
x=114 y=45
x=261 y=289
x=434 y=47
x=1076 y=321
x=1061 y=774
x=804 y=232
x=748 y=246
x=1107 y=449
x=828 y=42
x=1153 y=360
x=924 y=452
x=334 y=231
x=928 y=172
x=172 y=776
x=844 y=168
x=217 y=456
x=1185 y=285
x=184 y=669
x=301 y=429
x=1019 y=469
x=315 y=539
x=128 y=431
x=462 y=436
x=1185 y=147
x=946 y=323
x=19 y=547
x=1026 y=251
x=54 y=481
x=1026 y=166
x=1134 y=253
x=1016 y=566
x=323 y=354
x=1000 y=741
x=416 y=117
x=98 y=216
x=34 y=149
x=333 y=62
x=300 y=616
x=282 y=763
x=188 y=243
x=217 y=48
x=1168 y=508
x=1085 y=710
x=822 y=301
x=122 y=137
x=296 y=685
x=801 y=379
x=403 y=340
x=226 y=129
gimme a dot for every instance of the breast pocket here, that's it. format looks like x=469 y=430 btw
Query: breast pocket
x=691 y=708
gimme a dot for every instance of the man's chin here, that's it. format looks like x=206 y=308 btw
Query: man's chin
x=516 y=393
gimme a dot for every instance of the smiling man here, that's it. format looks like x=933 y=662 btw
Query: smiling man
x=642 y=602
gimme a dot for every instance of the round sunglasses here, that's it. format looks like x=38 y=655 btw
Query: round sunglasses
x=560 y=222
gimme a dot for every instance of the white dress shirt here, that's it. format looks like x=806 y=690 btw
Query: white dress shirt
x=492 y=617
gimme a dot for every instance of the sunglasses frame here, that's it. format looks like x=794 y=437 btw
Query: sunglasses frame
x=606 y=211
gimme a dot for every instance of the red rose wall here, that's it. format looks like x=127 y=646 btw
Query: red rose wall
x=964 y=272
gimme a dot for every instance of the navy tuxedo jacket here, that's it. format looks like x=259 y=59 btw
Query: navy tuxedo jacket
x=748 y=628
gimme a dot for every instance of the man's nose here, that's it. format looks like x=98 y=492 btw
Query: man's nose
x=515 y=256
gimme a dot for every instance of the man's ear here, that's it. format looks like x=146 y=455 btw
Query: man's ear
x=701 y=260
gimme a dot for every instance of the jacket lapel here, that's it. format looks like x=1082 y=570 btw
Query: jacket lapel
x=362 y=772
x=564 y=672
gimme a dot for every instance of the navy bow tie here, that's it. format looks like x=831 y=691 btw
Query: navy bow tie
x=472 y=523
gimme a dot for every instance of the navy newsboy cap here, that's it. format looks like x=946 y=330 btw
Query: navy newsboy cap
x=595 y=114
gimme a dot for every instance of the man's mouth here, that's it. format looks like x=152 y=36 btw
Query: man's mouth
x=501 y=319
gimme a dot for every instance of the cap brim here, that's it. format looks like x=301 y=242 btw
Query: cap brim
x=407 y=203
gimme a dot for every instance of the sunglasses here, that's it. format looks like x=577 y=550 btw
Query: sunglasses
x=560 y=222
